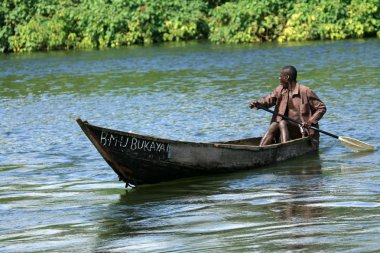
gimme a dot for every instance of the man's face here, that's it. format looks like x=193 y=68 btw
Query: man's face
x=284 y=79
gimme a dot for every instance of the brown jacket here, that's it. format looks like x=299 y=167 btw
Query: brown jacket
x=307 y=104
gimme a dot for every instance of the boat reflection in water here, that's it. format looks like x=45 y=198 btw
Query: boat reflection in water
x=301 y=209
x=225 y=210
x=302 y=179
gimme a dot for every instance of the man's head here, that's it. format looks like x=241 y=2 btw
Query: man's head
x=288 y=75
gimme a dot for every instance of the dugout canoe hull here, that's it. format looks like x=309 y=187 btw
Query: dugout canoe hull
x=139 y=159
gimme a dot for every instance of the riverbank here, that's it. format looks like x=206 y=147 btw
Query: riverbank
x=66 y=24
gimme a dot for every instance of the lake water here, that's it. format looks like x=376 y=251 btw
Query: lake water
x=58 y=195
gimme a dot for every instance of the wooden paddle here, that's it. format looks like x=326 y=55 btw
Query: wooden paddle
x=347 y=141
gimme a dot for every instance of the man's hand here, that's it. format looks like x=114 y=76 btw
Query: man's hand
x=253 y=105
x=307 y=124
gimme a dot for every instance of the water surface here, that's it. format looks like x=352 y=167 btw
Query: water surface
x=58 y=195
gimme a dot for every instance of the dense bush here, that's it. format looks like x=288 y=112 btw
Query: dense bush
x=248 y=21
x=64 y=24
x=325 y=19
x=263 y=20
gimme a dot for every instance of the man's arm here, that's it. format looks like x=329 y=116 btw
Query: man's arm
x=267 y=101
x=317 y=106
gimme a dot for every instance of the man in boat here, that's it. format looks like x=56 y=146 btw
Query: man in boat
x=295 y=101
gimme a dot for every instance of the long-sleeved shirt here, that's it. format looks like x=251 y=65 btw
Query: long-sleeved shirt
x=302 y=105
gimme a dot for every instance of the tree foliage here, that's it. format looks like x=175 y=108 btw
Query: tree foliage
x=248 y=21
x=65 y=24
x=324 y=19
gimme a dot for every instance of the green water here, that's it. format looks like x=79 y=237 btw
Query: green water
x=58 y=195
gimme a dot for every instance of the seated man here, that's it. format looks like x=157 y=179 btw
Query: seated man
x=295 y=101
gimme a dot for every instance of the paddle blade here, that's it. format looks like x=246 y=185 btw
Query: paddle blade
x=356 y=144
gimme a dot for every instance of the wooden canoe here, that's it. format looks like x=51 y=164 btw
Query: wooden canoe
x=139 y=159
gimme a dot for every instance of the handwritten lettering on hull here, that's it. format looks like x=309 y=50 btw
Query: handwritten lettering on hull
x=136 y=146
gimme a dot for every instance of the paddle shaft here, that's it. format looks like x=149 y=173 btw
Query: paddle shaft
x=296 y=122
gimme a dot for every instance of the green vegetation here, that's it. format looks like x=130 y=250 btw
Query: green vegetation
x=27 y=25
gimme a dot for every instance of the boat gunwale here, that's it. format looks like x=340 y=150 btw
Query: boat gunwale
x=213 y=144
x=251 y=147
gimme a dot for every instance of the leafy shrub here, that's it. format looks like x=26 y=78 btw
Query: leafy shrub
x=363 y=18
x=55 y=24
x=317 y=20
x=247 y=21
x=66 y=24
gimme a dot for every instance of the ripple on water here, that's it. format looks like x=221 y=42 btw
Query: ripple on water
x=57 y=194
